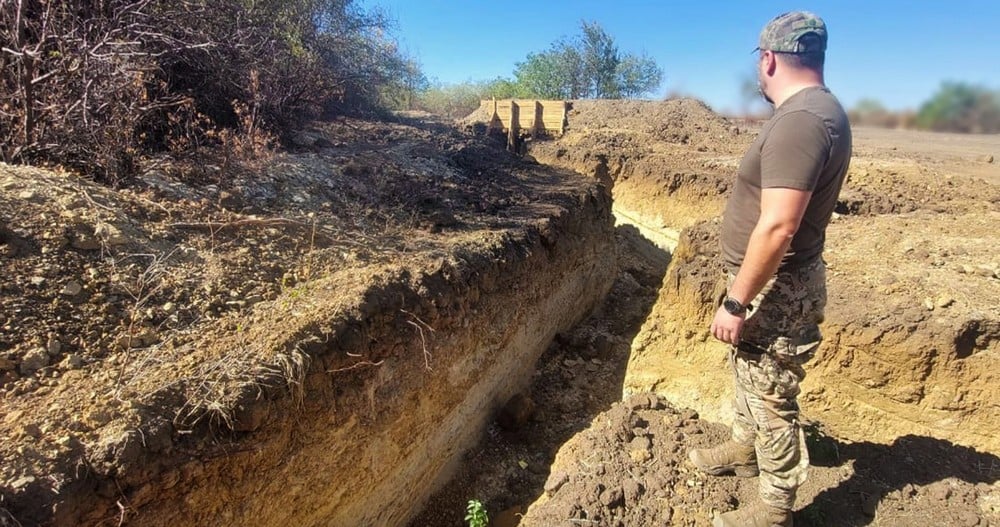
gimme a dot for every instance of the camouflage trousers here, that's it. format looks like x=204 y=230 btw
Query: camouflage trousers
x=779 y=336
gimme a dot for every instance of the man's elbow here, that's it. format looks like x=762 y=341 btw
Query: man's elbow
x=780 y=228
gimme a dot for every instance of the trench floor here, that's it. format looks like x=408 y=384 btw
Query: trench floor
x=579 y=376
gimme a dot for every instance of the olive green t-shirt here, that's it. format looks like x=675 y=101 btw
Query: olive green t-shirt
x=806 y=145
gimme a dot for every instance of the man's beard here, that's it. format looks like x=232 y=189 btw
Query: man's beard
x=760 y=89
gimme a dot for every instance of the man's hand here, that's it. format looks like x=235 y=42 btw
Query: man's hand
x=726 y=327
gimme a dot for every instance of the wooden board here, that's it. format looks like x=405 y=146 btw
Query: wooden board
x=534 y=115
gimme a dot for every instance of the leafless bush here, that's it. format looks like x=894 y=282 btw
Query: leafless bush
x=92 y=85
x=78 y=82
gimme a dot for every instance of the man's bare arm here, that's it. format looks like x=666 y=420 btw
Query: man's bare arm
x=781 y=212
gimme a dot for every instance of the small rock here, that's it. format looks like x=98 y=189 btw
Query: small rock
x=986 y=158
x=929 y=304
x=642 y=401
x=640 y=456
x=34 y=360
x=85 y=242
x=7 y=364
x=110 y=234
x=640 y=443
x=612 y=497
x=984 y=270
x=37 y=280
x=53 y=346
x=169 y=307
x=72 y=362
x=72 y=288
x=555 y=482
x=27 y=195
x=944 y=301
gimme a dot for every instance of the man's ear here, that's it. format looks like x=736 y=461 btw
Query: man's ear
x=770 y=63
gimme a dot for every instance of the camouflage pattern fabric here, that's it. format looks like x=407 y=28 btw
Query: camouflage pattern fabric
x=779 y=336
x=784 y=33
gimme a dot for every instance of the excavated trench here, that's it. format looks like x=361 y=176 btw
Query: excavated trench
x=461 y=377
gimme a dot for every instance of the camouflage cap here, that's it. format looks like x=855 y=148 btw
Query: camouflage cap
x=784 y=34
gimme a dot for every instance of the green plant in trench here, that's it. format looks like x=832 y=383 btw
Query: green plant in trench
x=476 y=514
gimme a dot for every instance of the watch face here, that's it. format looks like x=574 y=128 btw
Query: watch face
x=732 y=306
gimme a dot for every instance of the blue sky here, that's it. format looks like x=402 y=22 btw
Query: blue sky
x=895 y=51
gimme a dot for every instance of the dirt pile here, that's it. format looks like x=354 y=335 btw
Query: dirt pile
x=681 y=121
x=630 y=467
x=640 y=476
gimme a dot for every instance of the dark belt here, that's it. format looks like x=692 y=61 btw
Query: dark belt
x=750 y=348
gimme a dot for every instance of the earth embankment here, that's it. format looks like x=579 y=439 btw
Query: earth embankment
x=315 y=342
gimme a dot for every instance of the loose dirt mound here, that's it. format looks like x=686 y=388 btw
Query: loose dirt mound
x=675 y=121
x=630 y=467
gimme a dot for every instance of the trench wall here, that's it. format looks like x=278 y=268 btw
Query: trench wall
x=393 y=381
x=890 y=364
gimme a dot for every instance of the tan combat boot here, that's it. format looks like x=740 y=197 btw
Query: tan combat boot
x=728 y=458
x=755 y=515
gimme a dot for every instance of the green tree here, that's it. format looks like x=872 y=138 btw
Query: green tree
x=589 y=65
x=403 y=88
x=556 y=73
x=961 y=107
x=638 y=74
x=501 y=88
x=600 y=62
x=451 y=100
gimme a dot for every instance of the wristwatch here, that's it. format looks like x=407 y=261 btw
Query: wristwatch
x=734 y=307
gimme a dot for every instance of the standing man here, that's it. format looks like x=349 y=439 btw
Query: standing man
x=773 y=233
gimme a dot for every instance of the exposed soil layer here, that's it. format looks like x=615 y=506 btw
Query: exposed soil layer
x=579 y=376
x=311 y=342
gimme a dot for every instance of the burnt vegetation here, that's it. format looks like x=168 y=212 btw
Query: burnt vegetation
x=95 y=85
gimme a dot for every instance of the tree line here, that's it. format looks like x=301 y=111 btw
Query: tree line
x=589 y=65
x=955 y=107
